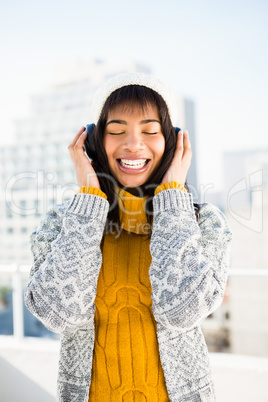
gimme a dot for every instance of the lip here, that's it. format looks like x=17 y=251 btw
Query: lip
x=133 y=171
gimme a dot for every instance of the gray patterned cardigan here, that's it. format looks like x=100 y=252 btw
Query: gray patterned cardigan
x=188 y=274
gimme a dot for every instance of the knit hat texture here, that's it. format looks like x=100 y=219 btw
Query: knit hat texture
x=124 y=79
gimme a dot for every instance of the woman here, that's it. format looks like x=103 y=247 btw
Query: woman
x=129 y=267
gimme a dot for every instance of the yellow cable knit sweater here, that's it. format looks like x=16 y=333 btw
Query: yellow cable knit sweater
x=126 y=360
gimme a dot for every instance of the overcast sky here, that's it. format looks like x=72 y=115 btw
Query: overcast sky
x=213 y=52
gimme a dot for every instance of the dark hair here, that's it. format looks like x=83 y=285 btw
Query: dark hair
x=129 y=97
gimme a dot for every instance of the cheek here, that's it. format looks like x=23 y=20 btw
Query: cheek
x=110 y=143
x=159 y=146
x=108 y=146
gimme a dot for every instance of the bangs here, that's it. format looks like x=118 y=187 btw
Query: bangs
x=132 y=96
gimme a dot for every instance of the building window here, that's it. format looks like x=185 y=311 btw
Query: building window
x=22 y=203
x=8 y=213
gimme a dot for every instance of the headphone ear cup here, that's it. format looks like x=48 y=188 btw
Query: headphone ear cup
x=89 y=142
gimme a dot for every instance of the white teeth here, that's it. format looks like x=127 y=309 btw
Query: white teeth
x=133 y=164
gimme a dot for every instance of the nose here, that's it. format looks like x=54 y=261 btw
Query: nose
x=133 y=142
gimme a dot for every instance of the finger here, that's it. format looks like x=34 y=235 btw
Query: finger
x=183 y=149
x=186 y=139
x=82 y=129
x=187 y=149
x=78 y=147
x=179 y=147
x=80 y=141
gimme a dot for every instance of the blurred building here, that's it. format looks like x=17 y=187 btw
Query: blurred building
x=246 y=191
x=244 y=312
x=244 y=173
x=37 y=170
x=246 y=186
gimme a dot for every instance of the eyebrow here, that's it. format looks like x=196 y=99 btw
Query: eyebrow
x=141 y=122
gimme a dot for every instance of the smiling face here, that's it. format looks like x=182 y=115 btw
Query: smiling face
x=134 y=144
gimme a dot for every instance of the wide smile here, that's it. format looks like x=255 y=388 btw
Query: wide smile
x=133 y=166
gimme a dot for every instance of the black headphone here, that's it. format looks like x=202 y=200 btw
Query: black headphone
x=90 y=144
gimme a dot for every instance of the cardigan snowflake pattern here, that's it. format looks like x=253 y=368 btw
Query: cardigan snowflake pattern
x=188 y=274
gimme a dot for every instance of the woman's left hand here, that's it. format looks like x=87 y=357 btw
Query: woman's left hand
x=181 y=161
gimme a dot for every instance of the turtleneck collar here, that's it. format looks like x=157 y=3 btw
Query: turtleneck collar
x=132 y=213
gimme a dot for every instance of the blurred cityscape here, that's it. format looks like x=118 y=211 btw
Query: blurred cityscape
x=36 y=172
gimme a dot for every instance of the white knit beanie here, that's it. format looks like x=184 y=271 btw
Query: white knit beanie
x=124 y=79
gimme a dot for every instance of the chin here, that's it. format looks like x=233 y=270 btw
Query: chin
x=131 y=185
x=130 y=182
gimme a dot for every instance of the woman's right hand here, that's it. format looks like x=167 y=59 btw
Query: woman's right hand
x=85 y=174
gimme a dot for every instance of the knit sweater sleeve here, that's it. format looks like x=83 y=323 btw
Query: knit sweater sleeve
x=67 y=258
x=190 y=259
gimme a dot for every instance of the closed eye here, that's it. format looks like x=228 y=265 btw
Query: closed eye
x=149 y=133
x=144 y=132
